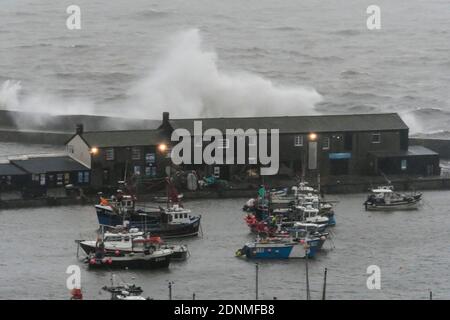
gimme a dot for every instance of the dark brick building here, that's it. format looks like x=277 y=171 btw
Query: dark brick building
x=355 y=144
x=332 y=145
x=117 y=155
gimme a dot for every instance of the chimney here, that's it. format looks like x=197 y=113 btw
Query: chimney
x=79 y=129
x=165 y=120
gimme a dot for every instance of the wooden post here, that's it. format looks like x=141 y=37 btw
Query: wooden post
x=431 y=295
x=307 y=272
x=257 y=280
x=170 y=290
x=193 y=296
x=324 y=284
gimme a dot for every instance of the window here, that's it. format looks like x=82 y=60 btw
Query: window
x=148 y=171
x=42 y=179
x=326 y=143
x=86 y=177
x=69 y=149
x=298 y=141
x=80 y=177
x=376 y=137
x=217 y=172
x=59 y=179
x=135 y=153
x=404 y=164
x=224 y=143
x=137 y=170
x=66 y=178
x=109 y=154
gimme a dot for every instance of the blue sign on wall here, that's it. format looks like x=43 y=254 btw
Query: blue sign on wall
x=340 y=155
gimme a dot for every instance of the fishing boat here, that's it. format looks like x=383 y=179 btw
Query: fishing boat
x=295 y=226
x=385 y=198
x=280 y=248
x=171 y=222
x=307 y=213
x=150 y=259
x=132 y=241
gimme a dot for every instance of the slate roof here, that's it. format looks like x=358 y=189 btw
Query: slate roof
x=411 y=152
x=49 y=164
x=124 y=138
x=8 y=169
x=301 y=124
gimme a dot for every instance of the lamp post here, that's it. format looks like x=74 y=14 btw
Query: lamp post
x=312 y=151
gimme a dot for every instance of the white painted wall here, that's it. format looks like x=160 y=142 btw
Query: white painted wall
x=79 y=150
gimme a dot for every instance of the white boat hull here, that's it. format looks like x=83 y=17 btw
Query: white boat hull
x=394 y=206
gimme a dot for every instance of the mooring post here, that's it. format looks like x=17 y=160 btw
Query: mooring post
x=307 y=273
x=431 y=295
x=324 y=284
x=193 y=296
x=257 y=280
x=170 y=290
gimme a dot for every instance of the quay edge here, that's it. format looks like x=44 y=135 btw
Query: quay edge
x=348 y=187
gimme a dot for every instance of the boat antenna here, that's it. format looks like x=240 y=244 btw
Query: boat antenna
x=385 y=177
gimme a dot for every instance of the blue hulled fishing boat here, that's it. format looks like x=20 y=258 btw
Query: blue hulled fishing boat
x=170 y=222
x=281 y=248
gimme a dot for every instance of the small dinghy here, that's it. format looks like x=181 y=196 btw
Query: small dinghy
x=125 y=292
x=385 y=198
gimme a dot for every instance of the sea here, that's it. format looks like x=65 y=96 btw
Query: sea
x=228 y=58
x=408 y=250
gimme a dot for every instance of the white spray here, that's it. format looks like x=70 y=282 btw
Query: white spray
x=187 y=82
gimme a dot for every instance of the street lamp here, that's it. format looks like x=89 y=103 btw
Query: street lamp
x=162 y=147
x=312 y=136
x=94 y=151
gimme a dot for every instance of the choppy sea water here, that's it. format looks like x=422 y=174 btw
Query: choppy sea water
x=403 y=67
x=123 y=58
x=409 y=247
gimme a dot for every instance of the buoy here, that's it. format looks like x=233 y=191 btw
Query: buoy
x=92 y=261
x=117 y=252
x=110 y=261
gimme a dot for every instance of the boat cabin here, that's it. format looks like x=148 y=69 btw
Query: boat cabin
x=177 y=215
x=124 y=203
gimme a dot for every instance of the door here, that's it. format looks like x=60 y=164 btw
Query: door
x=338 y=167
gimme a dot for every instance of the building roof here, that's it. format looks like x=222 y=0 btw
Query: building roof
x=8 y=169
x=124 y=138
x=301 y=124
x=49 y=164
x=413 y=151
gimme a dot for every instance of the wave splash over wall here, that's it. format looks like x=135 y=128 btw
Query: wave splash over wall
x=188 y=83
